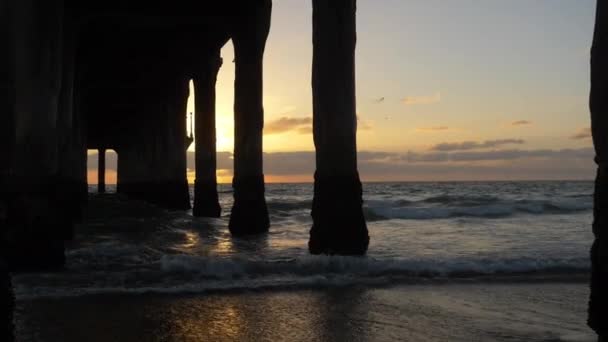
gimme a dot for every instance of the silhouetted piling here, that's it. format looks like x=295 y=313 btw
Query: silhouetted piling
x=338 y=223
x=72 y=152
x=7 y=304
x=36 y=223
x=598 y=304
x=152 y=160
x=206 y=201
x=101 y=171
x=249 y=213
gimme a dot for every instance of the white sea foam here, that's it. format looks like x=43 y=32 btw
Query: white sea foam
x=364 y=266
x=379 y=210
x=190 y=274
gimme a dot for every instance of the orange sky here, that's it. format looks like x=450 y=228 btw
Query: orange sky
x=445 y=91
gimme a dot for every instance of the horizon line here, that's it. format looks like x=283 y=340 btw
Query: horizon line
x=422 y=181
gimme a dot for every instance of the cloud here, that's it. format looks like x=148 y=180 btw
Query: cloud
x=432 y=129
x=287 y=124
x=470 y=165
x=583 y=133
x=363 y=125
x=302 y=125
x=288 y=110
x=473 y=145
x=422 y=100
x=304 y=130
x=521 y=123
x=519 y=154
x=505 y=164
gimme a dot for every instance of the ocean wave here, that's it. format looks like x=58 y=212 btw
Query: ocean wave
x=291 y=205
x=586 y=195
x=462 y=200
x=451 y=206
x=196 y=274
x=377 y=211
x=103 y=255
x=364 y=266
x=186 y=288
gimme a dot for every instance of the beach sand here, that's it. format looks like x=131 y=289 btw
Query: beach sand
x=476 y=311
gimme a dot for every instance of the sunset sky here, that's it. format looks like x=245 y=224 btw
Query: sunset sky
x=446 y=90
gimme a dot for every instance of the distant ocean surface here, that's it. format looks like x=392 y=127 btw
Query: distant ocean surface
x=419 y=232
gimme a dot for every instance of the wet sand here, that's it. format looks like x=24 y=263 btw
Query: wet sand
x=433 y=312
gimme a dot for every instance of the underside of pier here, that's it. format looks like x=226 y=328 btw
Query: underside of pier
x=76 y=75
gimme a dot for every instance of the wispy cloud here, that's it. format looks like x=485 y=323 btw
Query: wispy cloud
x=432 y=129
x=424 y=165
x=422 y=100
x=302 y=125
x=363 y=125
x=287 y=124
x=521 y=123
x=467 y=165
x=473 y=145
x=583 y=133
x=304 y=130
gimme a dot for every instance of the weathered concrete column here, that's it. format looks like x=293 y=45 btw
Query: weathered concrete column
x=206 y=202
x=7 y=106
x=249 y=213
x=7 y=102
x=7 y=304
x=77 y=157
x=152 y=160
x=70 y=146
x=101 y=171
x=71 y=186
x=338 y=223
x=598 y=304
x=34 y=217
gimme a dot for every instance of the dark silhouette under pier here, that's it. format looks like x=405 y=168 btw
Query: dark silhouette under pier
x=598 y=303
x=77 y=75
x=115 y=75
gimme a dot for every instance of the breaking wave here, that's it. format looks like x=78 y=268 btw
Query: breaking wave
x=234 y=268
x=195 y=274
x=453 y=206
x=490 y=207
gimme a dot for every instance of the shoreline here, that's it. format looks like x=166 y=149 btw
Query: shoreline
x=321 y=283
x=435 y=312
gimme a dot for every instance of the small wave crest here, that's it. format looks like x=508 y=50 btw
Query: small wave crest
x=461 y=200
x=364 y=266
x=179 y=274
x=378 y=211
x=451 y=206
x=289 y=205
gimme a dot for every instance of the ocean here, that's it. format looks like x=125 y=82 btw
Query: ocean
x=488 y=261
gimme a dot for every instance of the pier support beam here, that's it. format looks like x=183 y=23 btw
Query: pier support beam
x=7 y=102
x=598 y=303
x=101 y=171
x=73 y=166
x=206 y=202
x=7 y=304
x=73 y=187
x=338 y=223
x=152 y=163
x=34 y=221
x=249 y=213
